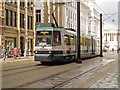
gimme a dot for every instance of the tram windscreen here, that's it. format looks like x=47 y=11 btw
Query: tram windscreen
x=43 y=38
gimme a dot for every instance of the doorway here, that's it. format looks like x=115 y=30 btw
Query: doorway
x=22 y=45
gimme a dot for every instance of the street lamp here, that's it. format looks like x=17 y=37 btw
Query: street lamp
x=78 y=34
x=118 y=36
x=101 y=52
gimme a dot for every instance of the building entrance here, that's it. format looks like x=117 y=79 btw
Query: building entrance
x=22 y=45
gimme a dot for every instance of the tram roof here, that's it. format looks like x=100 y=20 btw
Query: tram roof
x=53 y=28
x=48 y=28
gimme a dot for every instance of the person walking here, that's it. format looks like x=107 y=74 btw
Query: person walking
x=19 y=52
x=4 y=53
x=7 y=52
x=15 y=51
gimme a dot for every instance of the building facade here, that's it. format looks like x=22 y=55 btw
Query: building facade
x=17 y=27
x=46 y=8
x=39 y=11
x=71 y=15
x=94 y=22
x=110 y=39
x=66 y=16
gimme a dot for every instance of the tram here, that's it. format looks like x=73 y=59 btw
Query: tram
x=56 y=44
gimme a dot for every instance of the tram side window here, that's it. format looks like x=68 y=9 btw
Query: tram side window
x=72 y=40
x=66 y=40
x=56 y=38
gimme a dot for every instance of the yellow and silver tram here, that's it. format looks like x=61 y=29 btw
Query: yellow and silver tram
x=55 y=44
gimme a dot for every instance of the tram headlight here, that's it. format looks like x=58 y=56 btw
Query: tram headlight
x=49 y=50
x=36 y=51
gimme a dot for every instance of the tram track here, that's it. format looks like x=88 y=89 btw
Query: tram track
x=32 y=68
x=23 y=69
x=26 y=66
x=61 y=80
x=64 y=82
x=85 y=73
x=11 y=66
x=53 y=77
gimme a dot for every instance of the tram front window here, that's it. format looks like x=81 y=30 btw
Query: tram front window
x=44 y=38
x=56 y=38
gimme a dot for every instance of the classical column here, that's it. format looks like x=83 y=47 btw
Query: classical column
x=18 y=22
x=26 y=32
x=34 y=20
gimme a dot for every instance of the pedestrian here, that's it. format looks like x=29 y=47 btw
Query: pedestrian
x=4 y=53
x=7 y=52
x=15 y=51
x=19 y=52
x=30 y=53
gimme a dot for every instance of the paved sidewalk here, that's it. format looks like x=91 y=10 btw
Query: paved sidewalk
x=108 y=81
x=17 y=59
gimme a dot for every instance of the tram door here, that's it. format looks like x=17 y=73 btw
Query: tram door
x=72 y=44
x=66 y=43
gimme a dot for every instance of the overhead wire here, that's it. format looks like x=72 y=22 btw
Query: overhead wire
x=104 y=13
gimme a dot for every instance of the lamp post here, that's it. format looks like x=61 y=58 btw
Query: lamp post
x=101 y=52
x=118 y=41
x=78 y=34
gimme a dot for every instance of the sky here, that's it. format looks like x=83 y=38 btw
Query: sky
x=109 y=7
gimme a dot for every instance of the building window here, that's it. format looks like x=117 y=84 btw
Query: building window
x=31 y=24
x=11 y=1
x=38 y=15
x=106 y=36
x=10 y=18
x=21 y=20
x=28 y=22
x=6 y=13
x=29 y=4
x=14 y=18
x=22 y=3
x=15 y=1
x=117 y=35
x=112 y=36
x=6 y=0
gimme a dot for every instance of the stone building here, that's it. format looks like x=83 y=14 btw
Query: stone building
x=45 y=10
x=17 y=25
x=66 y=15
x=110 y=39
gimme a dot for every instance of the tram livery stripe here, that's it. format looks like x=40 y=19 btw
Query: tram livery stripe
x=57 y=53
